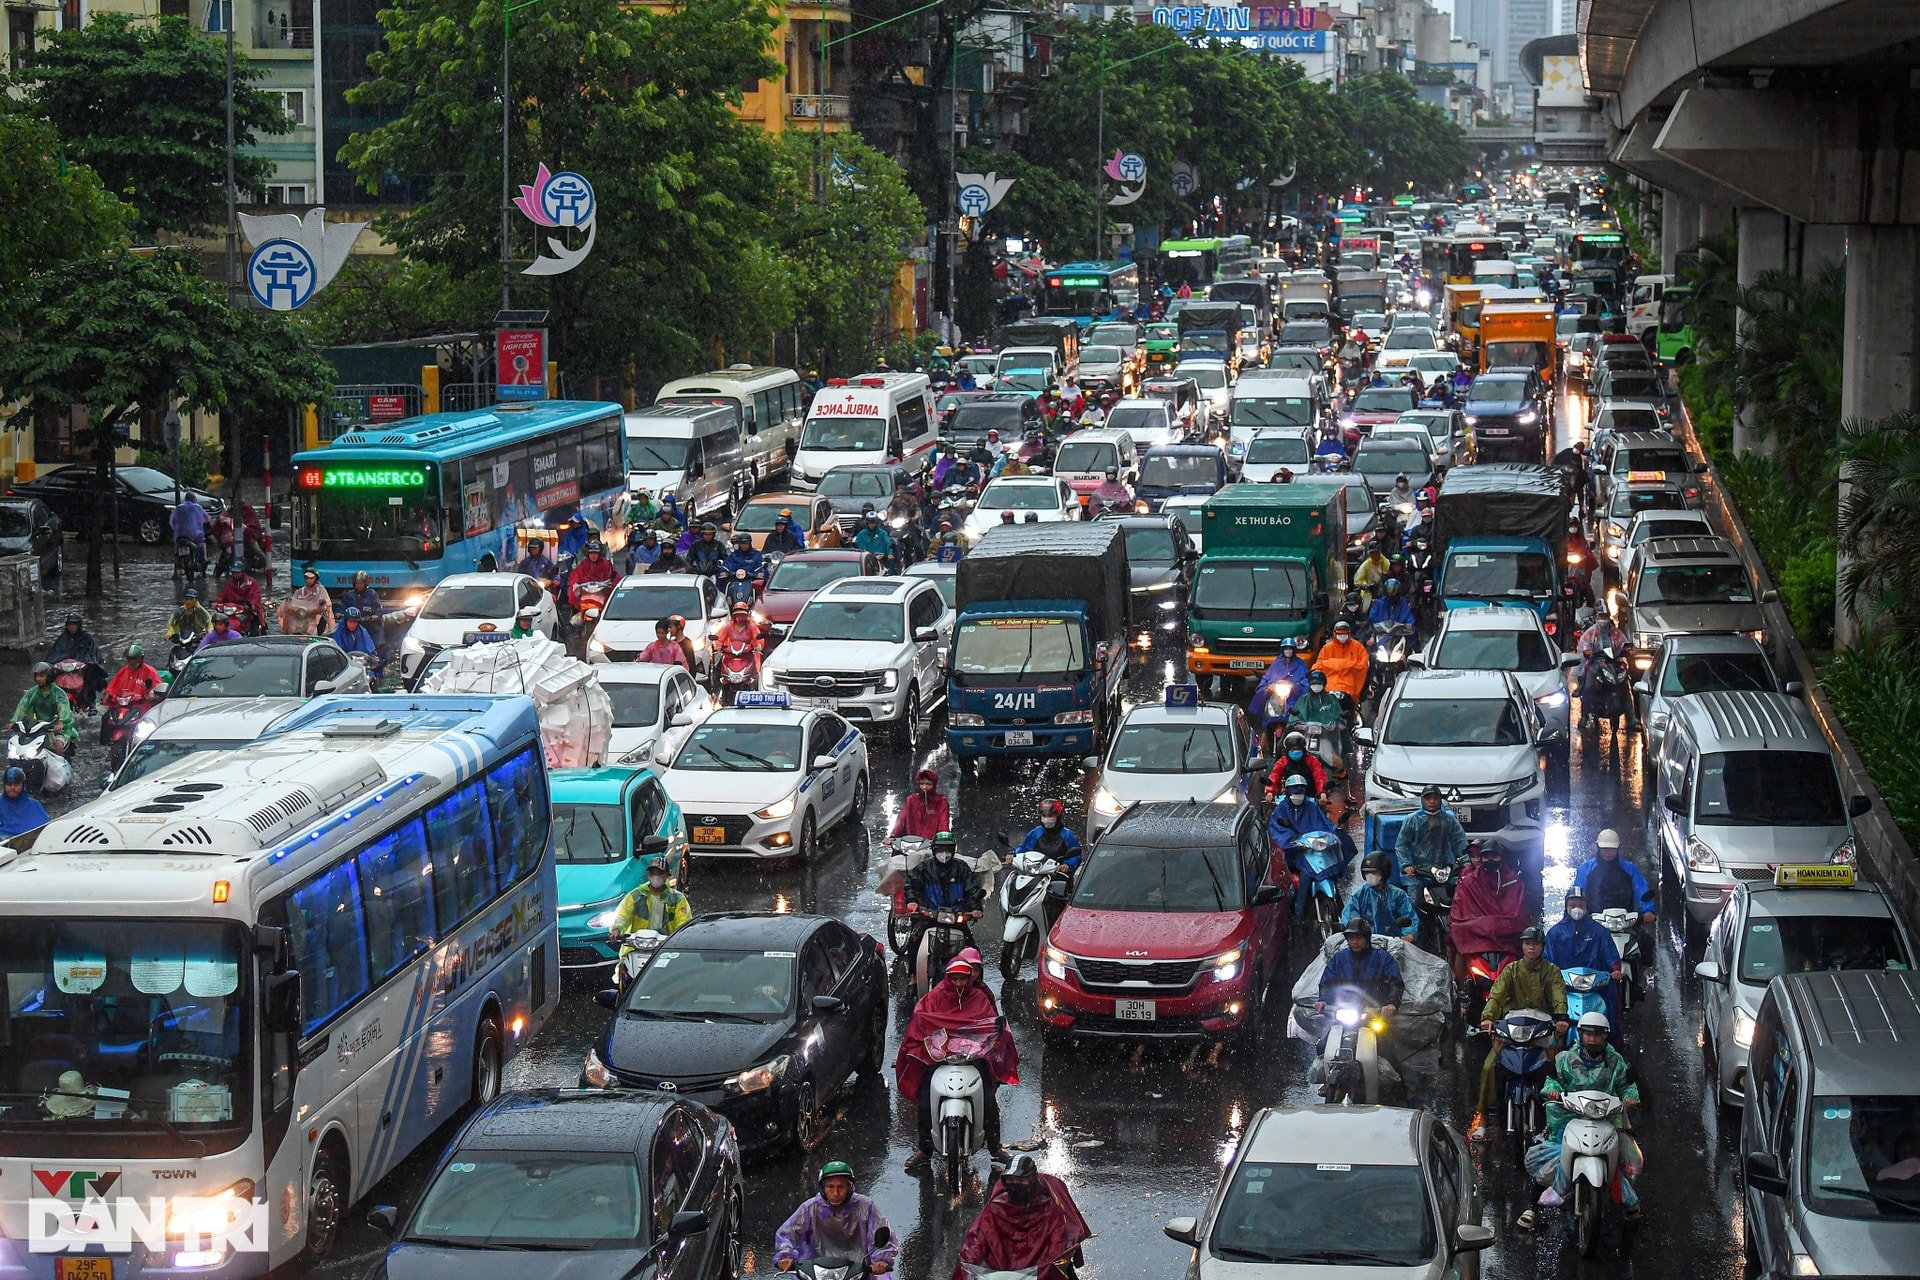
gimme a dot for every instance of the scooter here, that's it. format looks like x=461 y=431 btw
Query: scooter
x=1391 y=641
x=182 y=652
x=1348 y=1068
x=1586 y=993
x=957 y=1093
x=1520 y=1071
x=1482 y=968
x=117 y=725
x=1322 y=862
x=945 y=937
x=841 y=1268
x=47 y=772
x=1623 y=925
x=1431 y=888
x=71 y=675
x=586 y=614
x=736 y=667
x=903 y=854
x=1590 y=1158
x=636 y=949
x=1273 y=714
x=1028 y=909
x=189 y=558
x=1605 y=694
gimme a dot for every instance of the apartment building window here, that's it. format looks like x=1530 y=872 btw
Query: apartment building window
x=293 y=102
x=19 y=36
x=282 y=193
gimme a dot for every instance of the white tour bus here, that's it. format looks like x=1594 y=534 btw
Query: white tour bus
x=876 y=417
x=770 y=401
x=252 y=982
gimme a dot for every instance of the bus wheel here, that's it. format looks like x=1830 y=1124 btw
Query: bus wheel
x=486 y=1062
x=326 y=1202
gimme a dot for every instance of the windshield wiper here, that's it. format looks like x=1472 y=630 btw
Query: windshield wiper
x=713 y=1015
x=1344 y=1255
x=1868 y=1193
x=1219 y=893
x=1247 y=1255
x=724 y=764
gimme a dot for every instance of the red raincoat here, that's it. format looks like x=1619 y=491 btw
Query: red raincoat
x=940 y=1014
x=1013 y=1237
x=1489 y=912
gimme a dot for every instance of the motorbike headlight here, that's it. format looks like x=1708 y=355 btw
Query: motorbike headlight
x=754 y=1079
x=777 y=810
x=1700 y=855
x=1347 y=1017
x=1105 y=802
x=595 y=1072
x=889 y=681
x=1743 y=1028
x=1058 y=962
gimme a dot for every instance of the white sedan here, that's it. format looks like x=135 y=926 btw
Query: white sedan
x=1049 y=499
x=472 y=608
x=656 y=706
x=764 y=779
x=1171 y=752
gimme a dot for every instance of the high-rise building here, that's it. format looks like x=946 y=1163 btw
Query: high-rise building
x=1521 y=21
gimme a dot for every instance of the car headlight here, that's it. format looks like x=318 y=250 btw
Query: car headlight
x=1058 y=962
x=777 y=810
x=1472 y=418
x=1616 y=530
x=889 y=681
x=1074 y=717
x=965 y=720
x=1743 y=1028
x=1846 y=853
x=1759 y=636
x=597 y=645
x=1700 y=855
x=1105 y=802
x=603 y=919
x=1226 y=965
x=1526 y=416
x=639 y=755
x=754 y=1079
x=211 y=1215
x=1348 y=421
x=1558 y=698
x=1803 y=1265
x=412 y=645
x=595 y=1072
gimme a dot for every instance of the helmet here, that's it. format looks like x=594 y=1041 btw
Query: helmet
x=1051 y=808
x=1393 y=586
x=1359 y=926
x=708 y=526
x=1533 y=933
x=352 y=611
x=657 y=864
x=75 y=620
x=1343 y=625
x=192 y=594
x=1295 y=738
x=133 y=651
x=741 y=607
x=1376 y=861
x=1575 y=891
x=873 y=517
x=678 y=620
x=1317 y=677
x=42 y=669
x=238 y=571
x=1113 y=473
x=1594 y=1020
x=221 y=619
x=15 y=774
x=1006 y=517
x=1294 y=780
x=835 y=1169
x=786 y=513
x=1033 y=517
x=1608 y=839
x=1022 y=1166
x=944 y=840
x=593 y=545
x=740 y=537
x=1289 y=645
x=1430 y=791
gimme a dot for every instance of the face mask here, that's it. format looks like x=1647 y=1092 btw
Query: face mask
x=1375 y=879
x=1295 y=754
x=657 y=882
x=944 y=856
x=1576 y=913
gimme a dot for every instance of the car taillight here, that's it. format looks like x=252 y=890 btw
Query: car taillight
x=1552 y=627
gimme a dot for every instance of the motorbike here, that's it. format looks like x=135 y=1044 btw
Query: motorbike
x=117 y=725
x=1325 y=743
x=1604 y=695
x=73 y=676
x=1624 y=926
x=957 y=1089
x=636 y=948
x=1482 y=968
x=1028 y=908
x=741 y=589
x=904 y=853
x=1391 y=641
x=1590 y=1150
x=1348 y=1068
x=1520 y=1072
x=945 y=937
x=189 y=558
x=242 y=618
x=841 y=1268
x=1586 y=993
x=736 y=667
x=1322 y=863
x=1431 y=888
x=1273 y=712
x=909 y=539
x=586 y=615
x=47 y=771
x=183 y=650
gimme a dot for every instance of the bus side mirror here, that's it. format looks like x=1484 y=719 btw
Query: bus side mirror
x=280 y=998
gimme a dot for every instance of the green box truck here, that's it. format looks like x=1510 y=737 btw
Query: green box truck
x=1275 y=558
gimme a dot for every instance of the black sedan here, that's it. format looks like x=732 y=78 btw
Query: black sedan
x=1160 y=560
x=1511 y=416
x=558 y=1184
x=146 y=500
x=28 y=527
x=760 y=1016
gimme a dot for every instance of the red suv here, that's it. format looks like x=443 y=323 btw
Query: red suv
x=1175 y=926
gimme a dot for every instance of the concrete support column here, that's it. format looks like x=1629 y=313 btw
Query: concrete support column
x=1714 y=218
x=1679 y=223
x=1878 y=373
x=1821 y=245
x=1763 y=248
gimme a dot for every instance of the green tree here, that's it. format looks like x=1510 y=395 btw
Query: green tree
x=1880 y=521
x=53 y=211
x=841 y=241
x=1399 y=142
x=127 y=335
x=389 y=298
x=637 y=101
x=143 y=104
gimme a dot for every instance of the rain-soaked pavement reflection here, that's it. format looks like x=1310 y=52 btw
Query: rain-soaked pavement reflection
x=1140 y=1135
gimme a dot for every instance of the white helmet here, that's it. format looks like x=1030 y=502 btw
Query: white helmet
x=1594 y=1020
x=1608 y=839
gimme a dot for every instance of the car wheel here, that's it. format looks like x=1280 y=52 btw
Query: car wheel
x=810 y=1122
x=59 y=560
x=858 y=809
x=326 y=1203
x=911 y=729
x=733 y=1259
x=486 y=1063
x=803 y=847
x=150 y=530
x=873 y=1060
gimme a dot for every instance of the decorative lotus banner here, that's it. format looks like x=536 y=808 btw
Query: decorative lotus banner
x=1127 y=167
x=557 y=200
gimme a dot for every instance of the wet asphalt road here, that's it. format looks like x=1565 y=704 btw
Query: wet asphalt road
x=1139 y=1136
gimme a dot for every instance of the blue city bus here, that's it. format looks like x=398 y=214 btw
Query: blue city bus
x=1091 y=291
x=421 y=499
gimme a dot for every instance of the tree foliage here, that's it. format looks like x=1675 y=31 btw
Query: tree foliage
x=391 y=298
x=128 y=334
x=52 y=210
x=143 y=104
x=1398 y=143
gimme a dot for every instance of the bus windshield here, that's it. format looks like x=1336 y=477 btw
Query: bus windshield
x=126 y=1023
x=366 y=524
x=844 y=435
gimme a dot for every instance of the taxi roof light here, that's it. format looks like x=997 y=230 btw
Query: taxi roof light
x=763 y=698
x=1814 y=875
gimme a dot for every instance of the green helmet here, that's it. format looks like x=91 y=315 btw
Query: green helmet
x=836 y=1169
x=944 y=838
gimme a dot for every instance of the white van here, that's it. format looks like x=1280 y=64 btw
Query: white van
x=876 y=417
x=770 y=402
x=691 y=451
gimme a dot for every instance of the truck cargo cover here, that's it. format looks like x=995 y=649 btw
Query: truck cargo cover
x=1072 y=561
x=1502 y=500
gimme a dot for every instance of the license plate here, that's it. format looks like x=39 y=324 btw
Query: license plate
x=1135 y=1010
x=709 y=835
x=83 y=1269
x=825 y=704
x=1495 y=431
x=1019 y=737
x=1464 y=812
x=1245 y=664
x=483 y=637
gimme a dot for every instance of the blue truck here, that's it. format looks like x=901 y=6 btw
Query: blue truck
x=1500 y=538
x=1040 y=643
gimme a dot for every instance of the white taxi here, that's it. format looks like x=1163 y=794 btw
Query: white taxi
x=655 y=707
x=1183 y=749
x=762 y=778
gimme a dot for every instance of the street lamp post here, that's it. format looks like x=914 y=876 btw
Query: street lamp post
x=227 y=16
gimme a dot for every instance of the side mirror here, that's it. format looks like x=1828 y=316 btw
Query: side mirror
x=654 y=844
x=1471 y=1237
x=1769 y=596
x=1674 y=805
x=1569 y=660
x=1057 y=889
x=1859 y=806
x=882 y=1236
x=1418 y=661
x=824 y=1005
x=1793 y=687
x=280 y=995
x=1266 y=895
x=1642 y=688
x=385 y=1219
x=925 y=635
x=1699 y=468
x=608 y=999
x=1260 y=765
x=1763 y=1174
x=680 y=720
x=1710 y=971
x=1364 y=734
x=323 y=686
x=1001 y=836
x=823 y=762
x=1089 y=762
x=687 y=1222
x=1185 y=1230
